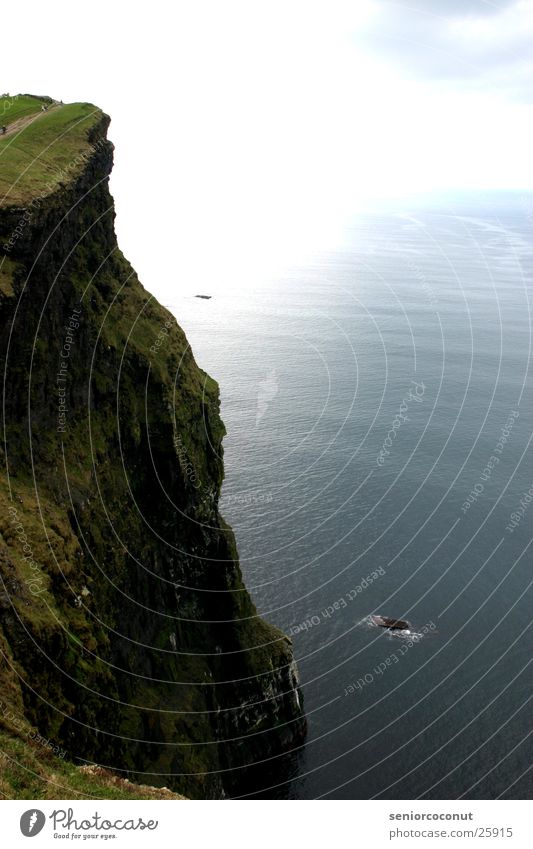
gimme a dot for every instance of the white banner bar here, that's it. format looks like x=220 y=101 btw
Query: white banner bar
x=268 y=824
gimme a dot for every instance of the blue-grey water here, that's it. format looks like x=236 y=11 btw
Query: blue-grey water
x=411 y=336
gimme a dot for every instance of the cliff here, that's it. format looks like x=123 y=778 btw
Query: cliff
x=128 y=638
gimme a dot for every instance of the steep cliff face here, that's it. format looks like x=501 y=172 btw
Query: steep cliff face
x=128 y=637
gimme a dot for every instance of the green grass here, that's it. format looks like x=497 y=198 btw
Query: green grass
x=7 y=269
x=44 y=153
x=30 y=771
x=20 y=106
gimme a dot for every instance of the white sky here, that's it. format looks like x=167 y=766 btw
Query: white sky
x=246 y=131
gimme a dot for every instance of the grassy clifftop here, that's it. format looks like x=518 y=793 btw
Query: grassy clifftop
x=46 y=144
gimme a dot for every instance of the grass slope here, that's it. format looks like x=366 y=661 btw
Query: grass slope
x=39 y=155
x=20 y=106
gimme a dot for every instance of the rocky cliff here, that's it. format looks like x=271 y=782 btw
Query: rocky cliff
x=127 y=635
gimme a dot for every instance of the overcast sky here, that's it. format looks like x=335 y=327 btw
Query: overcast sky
x=252 y=128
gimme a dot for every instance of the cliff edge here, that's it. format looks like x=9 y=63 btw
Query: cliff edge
x=127 y=637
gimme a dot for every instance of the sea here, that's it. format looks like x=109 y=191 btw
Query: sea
x=378 y=401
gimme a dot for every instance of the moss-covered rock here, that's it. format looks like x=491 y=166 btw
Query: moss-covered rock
x=128 y=636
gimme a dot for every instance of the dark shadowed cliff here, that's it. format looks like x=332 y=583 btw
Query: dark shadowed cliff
x=127 y=636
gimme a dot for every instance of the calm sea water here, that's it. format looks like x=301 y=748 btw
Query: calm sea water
x=413 y=336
